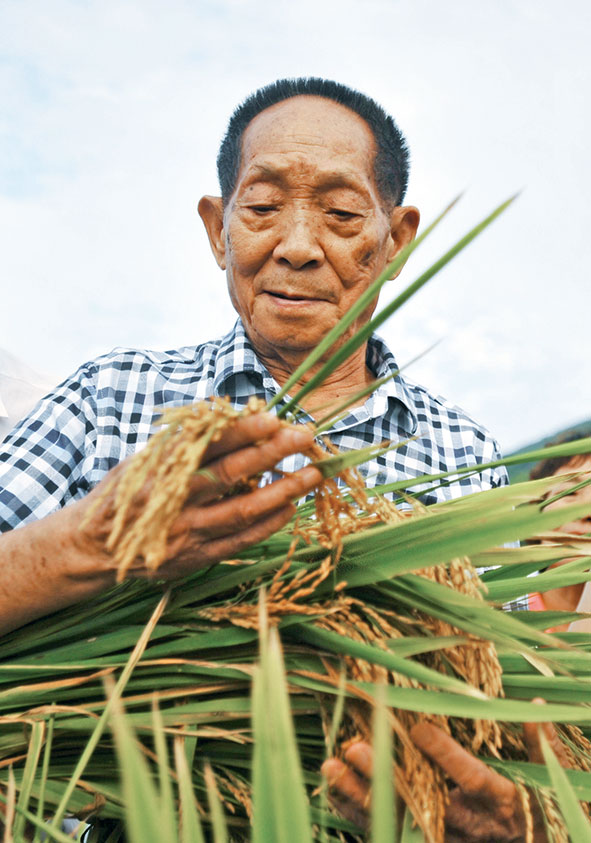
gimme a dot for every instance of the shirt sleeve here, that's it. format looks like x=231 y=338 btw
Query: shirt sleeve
x=492 y=478
x=44 y=461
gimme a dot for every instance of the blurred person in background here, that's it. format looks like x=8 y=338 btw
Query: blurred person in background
x=20 y=389
x=577 y=597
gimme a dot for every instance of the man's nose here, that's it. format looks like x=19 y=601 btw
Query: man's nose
x=298 y=244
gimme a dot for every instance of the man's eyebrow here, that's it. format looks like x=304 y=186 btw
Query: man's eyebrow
x=265 y=172
x=328 y=179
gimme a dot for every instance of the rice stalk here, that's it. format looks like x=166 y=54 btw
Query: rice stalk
x=397 y=590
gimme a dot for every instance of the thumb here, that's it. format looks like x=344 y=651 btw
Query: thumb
x=531 y=734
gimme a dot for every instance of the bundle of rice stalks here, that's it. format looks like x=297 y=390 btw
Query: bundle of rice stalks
x=359 y=604
x=369 y=603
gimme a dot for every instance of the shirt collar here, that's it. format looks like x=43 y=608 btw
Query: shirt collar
x=382 y=363
x=236 y=355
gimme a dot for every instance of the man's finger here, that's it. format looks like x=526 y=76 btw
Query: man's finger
x=235 y=514
x=349 y=810
x=349 y=792
x=531 y=734
x=186 y=558
x=221 y=475
x=360 y=756
x=245 y=431
x=470 y=774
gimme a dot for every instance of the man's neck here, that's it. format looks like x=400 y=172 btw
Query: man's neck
x=350 y=378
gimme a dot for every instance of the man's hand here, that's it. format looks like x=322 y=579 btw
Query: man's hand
x=484 y=805
x=62 y=558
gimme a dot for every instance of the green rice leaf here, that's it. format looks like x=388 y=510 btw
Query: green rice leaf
x=52 y=833
x=34 y=751
x=538 y=775
x=331 y=466
x=326 y=422
x=190 y=825
x=103 y=719
x=577 y=823
x=218 y=822
x=167 y=806
x=566 y=449
x=276 y=764
x=144 y=819
x=44 y=772
x=335 y=643
x=362 y=334
x=383 y=803
x=410 y=834
x=455 y=705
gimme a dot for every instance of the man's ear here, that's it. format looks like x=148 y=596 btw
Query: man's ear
x=404 y=222
x=211 y=211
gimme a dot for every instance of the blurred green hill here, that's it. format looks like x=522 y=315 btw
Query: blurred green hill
x=517 y=473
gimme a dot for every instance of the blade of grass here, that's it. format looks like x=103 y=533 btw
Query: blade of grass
x=576 y=572
x=9 y=811
x=167 y=809
x=328 y=420
x=366 y=330
x=276 y=764
x=44 y=773
x=383 y=803
x=9 y=800
x=577 y=823
x=337 y=716
x=261 y=770
x=453 y=705
x=190 y=825
x=567 y=449
x=410 y=834
x=144 y=819
x=218 y=822
x=331 y=466
x=341 y=411
x=34 y=751
x=335 y=643
x=134 y=658
x=538 y=775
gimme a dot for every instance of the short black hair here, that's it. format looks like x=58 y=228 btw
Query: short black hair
x=392 y=157
x=548 y=467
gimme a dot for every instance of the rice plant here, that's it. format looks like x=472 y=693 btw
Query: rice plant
x=184 y=716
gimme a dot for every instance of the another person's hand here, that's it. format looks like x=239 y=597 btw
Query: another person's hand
x=483 y=806
x=212 y=527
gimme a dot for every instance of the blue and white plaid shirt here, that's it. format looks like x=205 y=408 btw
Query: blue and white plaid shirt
x=106 y=411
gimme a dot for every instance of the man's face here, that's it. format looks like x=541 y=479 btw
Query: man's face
x=580 y=496
x=305 y=232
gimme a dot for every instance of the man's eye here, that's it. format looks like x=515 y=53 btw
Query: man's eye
x=263 y=209
x=342 y=215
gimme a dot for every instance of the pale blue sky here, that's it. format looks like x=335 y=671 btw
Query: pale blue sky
x=110 y=117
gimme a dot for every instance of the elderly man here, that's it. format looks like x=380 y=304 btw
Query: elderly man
x=312 y=178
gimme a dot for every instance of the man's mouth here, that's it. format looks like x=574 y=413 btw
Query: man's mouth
x=295 y=297
x=288 y=298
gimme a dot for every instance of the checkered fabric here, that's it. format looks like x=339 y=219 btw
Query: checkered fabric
x=107 y=409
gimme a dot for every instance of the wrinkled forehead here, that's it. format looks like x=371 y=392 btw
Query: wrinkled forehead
x=310 y=127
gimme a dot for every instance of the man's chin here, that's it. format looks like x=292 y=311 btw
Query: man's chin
x=293 y=343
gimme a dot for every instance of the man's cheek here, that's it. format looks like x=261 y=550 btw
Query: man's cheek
x=247 y=251
x=364 y=264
